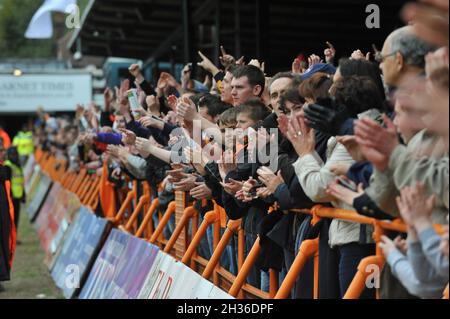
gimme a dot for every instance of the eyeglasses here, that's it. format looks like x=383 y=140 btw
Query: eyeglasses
x=379 y=57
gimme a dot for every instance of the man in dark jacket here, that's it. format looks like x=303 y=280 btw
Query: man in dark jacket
x=7 y=228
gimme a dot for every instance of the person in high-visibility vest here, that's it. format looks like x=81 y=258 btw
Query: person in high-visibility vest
x=24 y=143
x=7 y=227
x=17 y=182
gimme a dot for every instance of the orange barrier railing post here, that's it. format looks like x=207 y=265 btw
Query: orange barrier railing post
x=273 y=286
x=85 y=186
x=125 y=205
x=367 y=266
x=216 y=238
x=307 y=250
x=241 y=248
x=69 y=180
x=241 y=255
x=358 y=283
x=46 y=163
x=148 y=218
x=246 y=268
x=93 y=197
x=209 y=219
x=38 y=154
x=79 y=181
x=188 y=213
x=316 y=275
x=163 y=222
x=92 y=189
x=61 y=170
x=64 y=179
x=445 y=294
x=137 y=210
x=232 y=227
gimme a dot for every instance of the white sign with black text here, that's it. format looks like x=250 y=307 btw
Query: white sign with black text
x=55 y=92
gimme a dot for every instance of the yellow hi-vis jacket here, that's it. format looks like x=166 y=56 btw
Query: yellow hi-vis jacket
x=17 y=180
x=24 y=143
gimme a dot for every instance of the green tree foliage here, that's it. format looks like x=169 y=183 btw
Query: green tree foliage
x=15 y=15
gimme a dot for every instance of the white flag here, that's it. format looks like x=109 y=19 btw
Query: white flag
x=41 y=26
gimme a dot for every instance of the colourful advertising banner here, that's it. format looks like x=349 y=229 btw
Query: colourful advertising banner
x=54 y=218
x=121 y=268
x=38 y=195
x=81 y=245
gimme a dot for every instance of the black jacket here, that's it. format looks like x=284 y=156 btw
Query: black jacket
x=5 y=225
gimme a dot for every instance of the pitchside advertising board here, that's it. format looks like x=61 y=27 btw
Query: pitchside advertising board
x=38 y=192
x=79 y=249
x=120 y=269
x=29 y=169
x=59 y=210
x=55 y=92
x=128 y=268
x=103 y=271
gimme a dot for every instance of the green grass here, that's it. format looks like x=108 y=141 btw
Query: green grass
x=30 y=278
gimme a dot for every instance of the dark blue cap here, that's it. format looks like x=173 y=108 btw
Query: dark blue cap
x=319 y=67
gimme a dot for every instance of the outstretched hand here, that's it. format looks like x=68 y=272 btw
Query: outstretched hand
x=128 y=137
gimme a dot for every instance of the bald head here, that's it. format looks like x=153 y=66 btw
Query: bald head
x=412 y=48
x=403 y=53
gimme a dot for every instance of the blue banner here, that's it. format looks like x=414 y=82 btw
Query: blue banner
x=81 y=244
x=121 y=268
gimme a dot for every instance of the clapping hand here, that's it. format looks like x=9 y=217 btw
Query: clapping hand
x=165 y=80
x=301 y=136
x=416 y=207
x=232 y=186
x=172 y=101
x=376 y=142
x=270 y=179
x=352 y=147
x=201 y=191
x=187 y=110
x=344 y=194
x=186 y=184
x=313 y=60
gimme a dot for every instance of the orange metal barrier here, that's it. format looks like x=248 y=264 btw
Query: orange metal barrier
x=143 y=200
x=232 y=228
x=188 y=214
x=163 y=222
x=209 y=219
x=245 y=270
x=148 y=218
x=86 y=187
x=126 y=205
